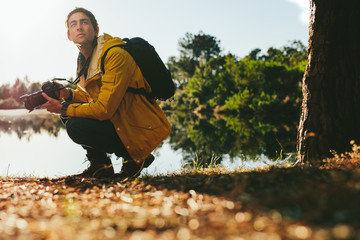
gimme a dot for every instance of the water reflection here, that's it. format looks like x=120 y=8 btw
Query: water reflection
x=232 y=136
x=39 y=141
x=25 y=124
x=37 y=144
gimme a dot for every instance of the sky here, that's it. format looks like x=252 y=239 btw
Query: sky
x=34 y=44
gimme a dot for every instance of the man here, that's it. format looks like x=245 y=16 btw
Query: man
x=100 y=114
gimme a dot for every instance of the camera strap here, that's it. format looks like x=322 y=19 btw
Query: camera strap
x=82 y=71
x=86 y=64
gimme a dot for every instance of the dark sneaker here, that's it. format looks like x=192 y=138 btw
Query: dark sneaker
x=130 y=170
x=97 y=170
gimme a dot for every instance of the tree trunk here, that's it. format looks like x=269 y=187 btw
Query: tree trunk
x=330 y=116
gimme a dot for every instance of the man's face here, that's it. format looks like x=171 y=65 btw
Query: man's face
x=81 y=31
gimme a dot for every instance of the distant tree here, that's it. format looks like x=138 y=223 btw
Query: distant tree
x=18 y=89
x=5 y=91
x=10 y=94
x=34 y=87
x=331 y=84
x=182 y=69
x=291 y=54
x=254 y=54
x=211 y=80
x=193 y=49
x=199 y=46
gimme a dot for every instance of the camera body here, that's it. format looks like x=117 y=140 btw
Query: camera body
x=34 y=100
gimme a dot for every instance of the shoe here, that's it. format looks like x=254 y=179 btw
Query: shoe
x=131 y=170
x=97 y=170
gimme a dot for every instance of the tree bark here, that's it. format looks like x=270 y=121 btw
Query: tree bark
x=330 y=116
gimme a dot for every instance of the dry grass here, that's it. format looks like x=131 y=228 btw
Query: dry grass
x=348 y=160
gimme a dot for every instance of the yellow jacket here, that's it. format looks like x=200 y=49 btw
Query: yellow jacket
x=141 y=125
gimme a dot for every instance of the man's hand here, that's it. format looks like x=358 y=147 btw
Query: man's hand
x=52 y=105
x=64 y=93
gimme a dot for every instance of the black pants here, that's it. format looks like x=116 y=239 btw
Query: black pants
x=97 y=137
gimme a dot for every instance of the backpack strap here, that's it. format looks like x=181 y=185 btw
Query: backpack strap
x=141 y=91
x=103 y=57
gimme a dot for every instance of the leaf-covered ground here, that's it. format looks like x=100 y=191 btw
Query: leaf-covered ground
x=272 y=204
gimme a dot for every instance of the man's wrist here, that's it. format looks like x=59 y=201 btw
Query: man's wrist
x=64 y=108
x=69 y=96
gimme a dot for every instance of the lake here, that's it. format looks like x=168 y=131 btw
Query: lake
x=36 y=144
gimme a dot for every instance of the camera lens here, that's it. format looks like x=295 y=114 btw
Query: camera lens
x=36 y=99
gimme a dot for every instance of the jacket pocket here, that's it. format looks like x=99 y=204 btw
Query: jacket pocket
x=144 y=122
x=142 y=116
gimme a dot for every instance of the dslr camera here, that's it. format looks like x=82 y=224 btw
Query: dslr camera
x=35 y=100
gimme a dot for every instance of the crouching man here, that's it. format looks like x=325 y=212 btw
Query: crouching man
x=100 y=115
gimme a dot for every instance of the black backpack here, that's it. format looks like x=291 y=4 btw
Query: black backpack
x=151 y=66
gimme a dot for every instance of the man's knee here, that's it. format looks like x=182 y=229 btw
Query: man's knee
x=73 y=128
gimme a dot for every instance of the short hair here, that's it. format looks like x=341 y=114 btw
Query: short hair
x=87 y=13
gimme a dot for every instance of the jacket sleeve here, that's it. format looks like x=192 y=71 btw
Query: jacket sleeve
x=119 y=68
x=79 y=96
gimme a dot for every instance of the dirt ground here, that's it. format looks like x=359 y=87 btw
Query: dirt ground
x=273 y=204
